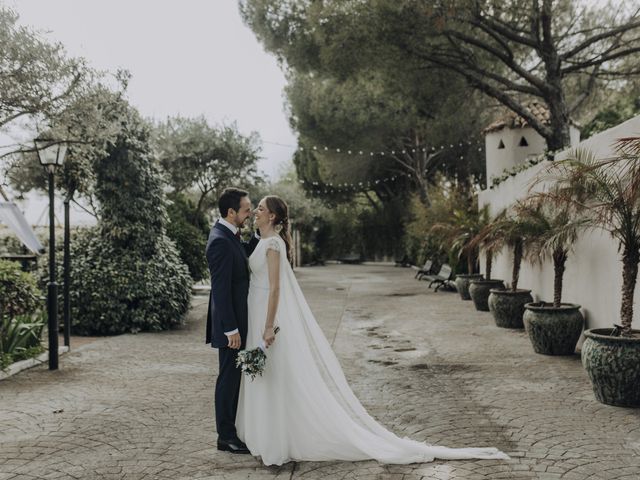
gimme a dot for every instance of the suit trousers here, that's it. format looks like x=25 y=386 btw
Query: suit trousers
x=227 y=393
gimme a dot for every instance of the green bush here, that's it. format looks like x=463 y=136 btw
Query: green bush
x=18 y=290
x=114 y=293
x=127 y=275
x=189 y=230
x=20 y=337
x=421 y=241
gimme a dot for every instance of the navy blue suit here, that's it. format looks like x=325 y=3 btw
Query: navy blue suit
x=229 y=269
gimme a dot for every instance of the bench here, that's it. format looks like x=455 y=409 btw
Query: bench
x=403 y=262
x=444 y=278
x=425 y=270
x=352 y=258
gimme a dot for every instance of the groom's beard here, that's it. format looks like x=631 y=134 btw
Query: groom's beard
x=243 y=224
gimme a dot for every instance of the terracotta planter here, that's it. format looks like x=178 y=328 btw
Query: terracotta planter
x=462 y=284
x=479 y=291
x=507 y=306
x=613 y=365
x=553 y=331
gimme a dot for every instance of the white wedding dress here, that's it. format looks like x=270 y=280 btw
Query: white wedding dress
x=302 y=407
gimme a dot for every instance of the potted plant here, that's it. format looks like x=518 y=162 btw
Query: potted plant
x=457 y=233
x=507 y=304
x=553 y=328
x=480 y=288
x=608 y=192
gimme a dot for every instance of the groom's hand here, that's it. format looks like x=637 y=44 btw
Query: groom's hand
x=234 y=341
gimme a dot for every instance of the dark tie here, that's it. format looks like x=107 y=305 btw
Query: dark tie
x=238 y=234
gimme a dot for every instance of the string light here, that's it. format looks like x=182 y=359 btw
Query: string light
x=359 y=186
x=424 y=149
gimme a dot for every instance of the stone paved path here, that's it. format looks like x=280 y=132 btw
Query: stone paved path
x=425 y=364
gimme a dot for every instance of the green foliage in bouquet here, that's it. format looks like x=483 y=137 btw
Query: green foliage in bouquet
x=252 y=362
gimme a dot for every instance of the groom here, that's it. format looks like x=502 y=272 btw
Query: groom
x=227 y=321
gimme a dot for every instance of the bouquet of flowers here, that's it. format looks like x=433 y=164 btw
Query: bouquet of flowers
x=252 y=361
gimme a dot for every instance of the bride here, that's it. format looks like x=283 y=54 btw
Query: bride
x=302 y=408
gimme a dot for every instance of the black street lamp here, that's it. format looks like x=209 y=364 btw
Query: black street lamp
x=66 y=308
x=51 y=155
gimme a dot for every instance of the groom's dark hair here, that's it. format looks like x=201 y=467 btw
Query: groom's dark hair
x=230 y=198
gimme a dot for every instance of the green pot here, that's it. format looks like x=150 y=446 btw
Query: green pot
x=507 y=306
x=553 y=330
x=479 y=291
x=462 y=284
x=613 y=365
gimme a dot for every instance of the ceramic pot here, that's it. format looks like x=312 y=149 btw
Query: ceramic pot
x=462 y=284
x=613 y=365
x=507 y=306
x=553 y=330
x=479 y=291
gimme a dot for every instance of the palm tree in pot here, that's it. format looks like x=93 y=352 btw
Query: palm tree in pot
x=457 y=233
x=488 y=242
x=513 y=231
x=553 y=328
x=608 y=193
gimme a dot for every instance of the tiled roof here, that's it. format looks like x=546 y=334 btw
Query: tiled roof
x=512 y=120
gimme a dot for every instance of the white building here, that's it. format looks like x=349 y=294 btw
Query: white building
x=510 y=141
x=593 y=276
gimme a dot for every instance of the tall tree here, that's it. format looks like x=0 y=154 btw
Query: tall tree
x=556 y=51
x=365 y=113
x=515 y=51
x=36 y=77
x=206 y=159
x=89 y=123
x=366 y=97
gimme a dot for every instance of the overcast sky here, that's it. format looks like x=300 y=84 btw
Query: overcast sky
x=187 y=57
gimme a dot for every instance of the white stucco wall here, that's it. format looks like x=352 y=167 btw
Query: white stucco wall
x=499 y=159
x=593 y=277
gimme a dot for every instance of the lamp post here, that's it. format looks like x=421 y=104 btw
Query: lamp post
x=51 y=155
x=66 y=275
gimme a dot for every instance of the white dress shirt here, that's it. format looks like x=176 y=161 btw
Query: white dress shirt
x=230 y=226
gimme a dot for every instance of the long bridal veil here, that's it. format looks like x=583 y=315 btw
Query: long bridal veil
x=311 y=412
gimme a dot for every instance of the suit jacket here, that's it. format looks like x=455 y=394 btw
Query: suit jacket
x=229 y=269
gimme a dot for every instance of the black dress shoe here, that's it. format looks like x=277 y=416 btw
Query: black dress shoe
x=233 y=446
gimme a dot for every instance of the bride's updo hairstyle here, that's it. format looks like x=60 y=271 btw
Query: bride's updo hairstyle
x=279 y=208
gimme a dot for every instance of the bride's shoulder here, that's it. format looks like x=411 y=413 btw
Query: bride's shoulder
x=273 y=243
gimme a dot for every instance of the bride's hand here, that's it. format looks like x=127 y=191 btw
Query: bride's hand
x=268 y=336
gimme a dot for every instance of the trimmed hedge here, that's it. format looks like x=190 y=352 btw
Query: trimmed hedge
x=114 y=293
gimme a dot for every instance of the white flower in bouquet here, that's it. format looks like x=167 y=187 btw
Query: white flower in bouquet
x=253 y=361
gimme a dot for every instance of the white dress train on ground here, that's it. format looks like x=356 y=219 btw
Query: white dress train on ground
x=302 y=408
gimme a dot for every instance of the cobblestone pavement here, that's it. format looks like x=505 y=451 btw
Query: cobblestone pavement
x=425 y=364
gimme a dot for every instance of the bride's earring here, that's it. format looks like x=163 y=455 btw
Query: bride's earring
x=278 y=228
